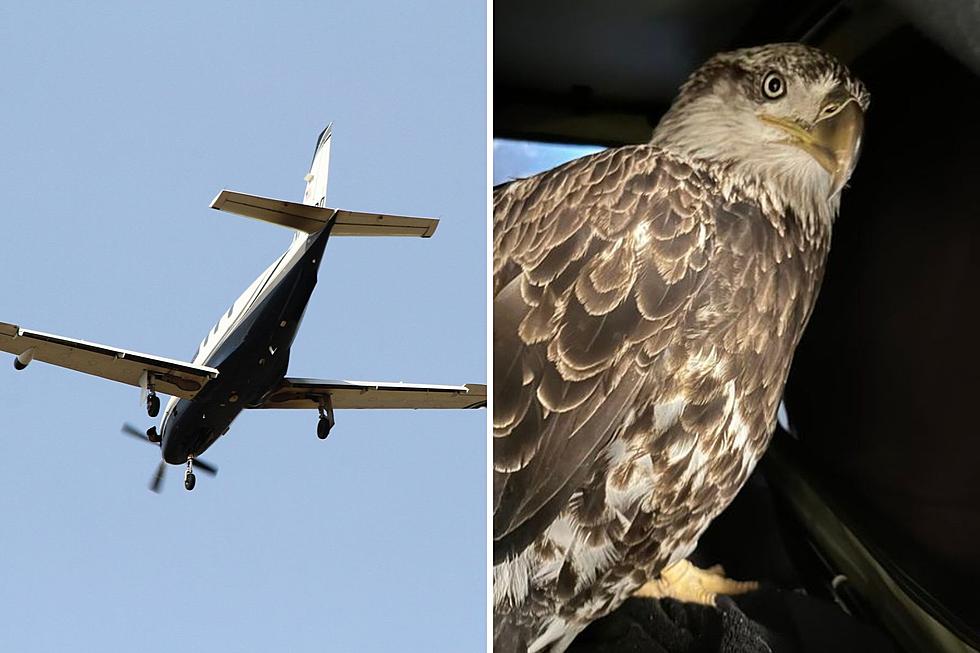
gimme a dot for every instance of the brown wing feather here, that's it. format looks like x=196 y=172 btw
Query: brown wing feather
x=596 y=265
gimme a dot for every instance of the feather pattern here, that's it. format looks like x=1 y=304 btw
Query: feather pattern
x=635 y=360
x=646 y=305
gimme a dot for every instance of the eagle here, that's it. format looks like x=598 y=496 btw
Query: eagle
x=647 y=301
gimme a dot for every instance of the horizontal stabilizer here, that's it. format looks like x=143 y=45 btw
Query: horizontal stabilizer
x=311 y=219
x=311 y=393
x=170 y=377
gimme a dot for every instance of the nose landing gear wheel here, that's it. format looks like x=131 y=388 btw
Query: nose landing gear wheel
x=189 y=479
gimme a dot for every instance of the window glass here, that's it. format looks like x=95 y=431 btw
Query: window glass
x=515 y=159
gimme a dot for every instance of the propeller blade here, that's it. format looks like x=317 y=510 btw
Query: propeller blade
x=207 y=468
x=129 y=429
x=157 y=480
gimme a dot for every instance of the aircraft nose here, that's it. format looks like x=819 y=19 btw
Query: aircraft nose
x=172 y=454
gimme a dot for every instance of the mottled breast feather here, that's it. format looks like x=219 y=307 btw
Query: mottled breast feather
x=633 y=303
x=596 y=266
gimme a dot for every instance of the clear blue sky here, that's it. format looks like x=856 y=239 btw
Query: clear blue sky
x=118 y=125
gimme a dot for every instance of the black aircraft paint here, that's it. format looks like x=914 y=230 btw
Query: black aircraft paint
x=252 y=359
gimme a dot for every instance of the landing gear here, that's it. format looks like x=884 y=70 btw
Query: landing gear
x=152 y=400
x=323 y=428
x=152 y=435
x=326 y=419
x=152 y=404
x=189 y=479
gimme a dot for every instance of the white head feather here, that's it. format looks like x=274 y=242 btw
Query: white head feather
x=715 y=123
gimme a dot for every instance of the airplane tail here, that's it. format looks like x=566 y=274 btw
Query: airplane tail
x=316 y=178
x=313 y=214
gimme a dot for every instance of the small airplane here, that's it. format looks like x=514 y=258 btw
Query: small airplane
x=242 y=362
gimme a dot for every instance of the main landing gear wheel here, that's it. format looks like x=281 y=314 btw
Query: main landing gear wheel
x=152 y=435
x=323 y=427
x=326 y=418
x=152 y=404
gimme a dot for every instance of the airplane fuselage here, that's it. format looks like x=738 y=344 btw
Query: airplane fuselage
x=250 y=348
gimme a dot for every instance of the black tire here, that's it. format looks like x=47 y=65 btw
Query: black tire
x=189 y=481
x=153 y=405
x=152 y=435
x=323 y=428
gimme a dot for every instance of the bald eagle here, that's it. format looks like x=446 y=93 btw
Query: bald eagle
x=647 y=303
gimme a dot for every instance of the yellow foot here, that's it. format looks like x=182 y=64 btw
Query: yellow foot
x=685 y=582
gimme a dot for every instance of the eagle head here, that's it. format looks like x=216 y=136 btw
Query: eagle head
x=779 y=123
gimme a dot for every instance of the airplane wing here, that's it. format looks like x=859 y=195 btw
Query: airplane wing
x=170 y=377
x=311 y=219
x=308 y=393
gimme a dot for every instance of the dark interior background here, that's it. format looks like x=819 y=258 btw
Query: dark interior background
x=884 y=387
x=604 y=71
x=883 y=390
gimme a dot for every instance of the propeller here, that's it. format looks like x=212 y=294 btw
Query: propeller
x=207 y=468
x=157 y=481
x=129 y=429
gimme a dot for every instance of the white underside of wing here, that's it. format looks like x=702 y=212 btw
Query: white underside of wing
x=312 y=393
x=169 y=376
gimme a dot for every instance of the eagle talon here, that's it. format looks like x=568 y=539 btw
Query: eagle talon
x=685 y=582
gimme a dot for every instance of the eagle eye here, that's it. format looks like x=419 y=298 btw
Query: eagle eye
x=773 y=85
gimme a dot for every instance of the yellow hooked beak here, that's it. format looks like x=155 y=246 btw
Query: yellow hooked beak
x=834 y=140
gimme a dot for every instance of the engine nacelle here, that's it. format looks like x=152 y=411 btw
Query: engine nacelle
x=24 y=359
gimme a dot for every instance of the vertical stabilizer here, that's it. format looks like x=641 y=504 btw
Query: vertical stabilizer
x=316 y=179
